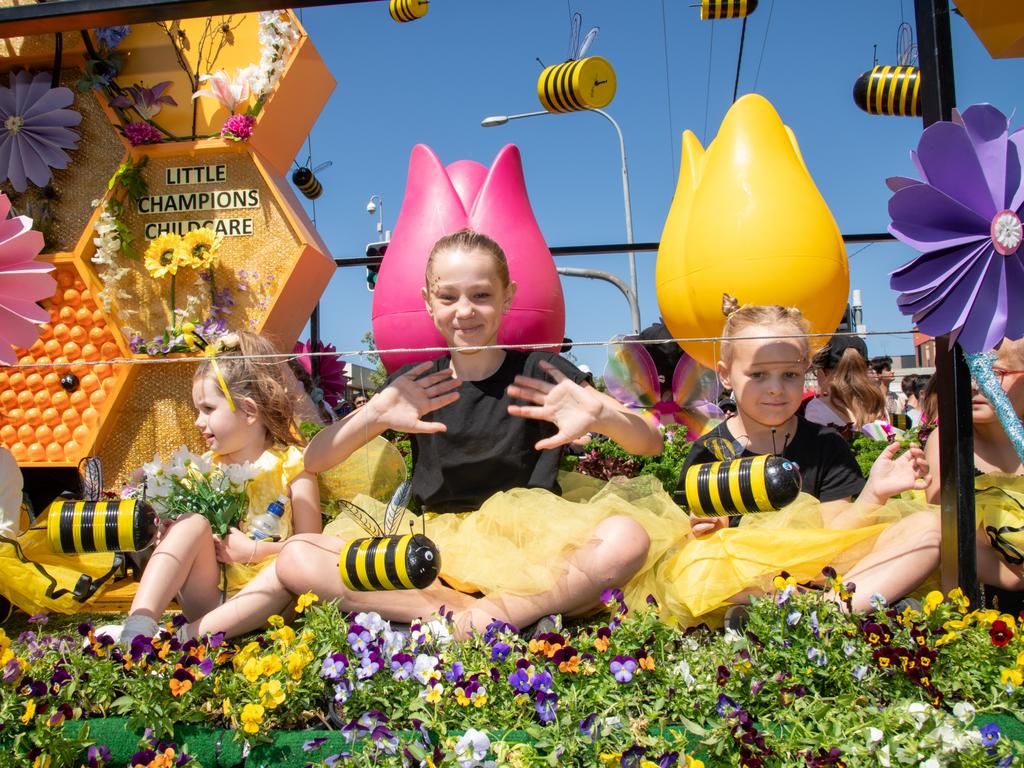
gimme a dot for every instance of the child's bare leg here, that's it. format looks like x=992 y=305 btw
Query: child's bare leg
x=905 y=553
x=183 y=565
x=249 y=610
x=309 y=563
x=993 y=569
x=615 y=551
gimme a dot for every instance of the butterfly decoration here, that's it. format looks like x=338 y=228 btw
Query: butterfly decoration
x=632 y=378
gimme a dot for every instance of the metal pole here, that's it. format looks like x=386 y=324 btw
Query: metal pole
x=598 y=274
x=956 y=434
x=629 y=215
x=314 y=341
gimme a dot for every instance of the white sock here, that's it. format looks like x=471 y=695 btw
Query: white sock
x=138 y=624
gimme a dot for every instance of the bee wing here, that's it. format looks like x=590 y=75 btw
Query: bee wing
x=630 y=374
x=399 y=501
x=90 y=471
x=725 y=449
x=574 y=34
x=588 y=40
x=360 y=515
x=323 y=166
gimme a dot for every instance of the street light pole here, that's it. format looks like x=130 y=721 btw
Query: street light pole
x=490 y=122
x=376 y=205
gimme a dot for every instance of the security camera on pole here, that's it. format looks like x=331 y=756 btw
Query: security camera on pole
x=376 y=250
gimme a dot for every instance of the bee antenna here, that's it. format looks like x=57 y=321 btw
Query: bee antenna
x=774 y=451
x=540 y=62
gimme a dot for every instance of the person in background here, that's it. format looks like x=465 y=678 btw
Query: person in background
x=880 y=369
x=848 y=398
x=913 y=389
x=359 y=401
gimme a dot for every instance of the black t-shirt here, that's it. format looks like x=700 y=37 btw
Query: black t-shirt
x=485 y=450
x=828 y=469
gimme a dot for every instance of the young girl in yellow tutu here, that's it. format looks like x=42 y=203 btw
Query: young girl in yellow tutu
x=245 y=412
x=999 y=486
x=765 y=357
x=488 y=425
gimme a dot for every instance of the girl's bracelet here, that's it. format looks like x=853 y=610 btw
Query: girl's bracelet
x=255 y=546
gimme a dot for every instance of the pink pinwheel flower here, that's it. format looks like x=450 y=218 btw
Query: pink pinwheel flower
x=965 y=219
x=34 y=129
x=332 y=370
x=23 y=282
x=229 y=92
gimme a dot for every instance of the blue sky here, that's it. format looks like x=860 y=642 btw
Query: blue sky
x=432 y=81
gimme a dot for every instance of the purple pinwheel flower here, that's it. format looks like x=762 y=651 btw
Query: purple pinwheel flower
x=332 y=380
x=34 y=129
x=965 y=219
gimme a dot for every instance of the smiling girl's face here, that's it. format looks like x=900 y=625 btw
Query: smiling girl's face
x=466 y=296
x=766 y=374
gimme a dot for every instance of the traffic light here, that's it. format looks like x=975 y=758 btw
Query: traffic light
x=374 y=250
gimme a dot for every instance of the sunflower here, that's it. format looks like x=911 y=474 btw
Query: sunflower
x=201 y=247
x=165 y=255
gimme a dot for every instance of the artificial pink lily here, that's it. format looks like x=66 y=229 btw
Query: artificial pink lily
x=229 y=92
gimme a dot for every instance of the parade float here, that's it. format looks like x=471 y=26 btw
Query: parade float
x=156 y=221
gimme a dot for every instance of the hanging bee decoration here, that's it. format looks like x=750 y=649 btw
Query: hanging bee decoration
x=305 y=180
x=736 y=484
x=712 y=10
x=888 y=90
x=408 y=10
x=581 y=82
x=386 y=560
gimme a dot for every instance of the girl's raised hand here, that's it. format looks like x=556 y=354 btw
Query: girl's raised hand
x=402 y=403
x=892 y=474
x=570 y=407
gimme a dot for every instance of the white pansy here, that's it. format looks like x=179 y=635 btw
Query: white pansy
x=371 y=620
x=471 y=749
x=931 y=762
x=964 y=712
x=423 y=666
x=875 y=735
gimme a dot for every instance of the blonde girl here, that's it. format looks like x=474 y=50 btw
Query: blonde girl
x=764 y=358
x=849 y=396
x=245 y=409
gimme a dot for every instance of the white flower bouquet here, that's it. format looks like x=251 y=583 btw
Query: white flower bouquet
x=191 y=483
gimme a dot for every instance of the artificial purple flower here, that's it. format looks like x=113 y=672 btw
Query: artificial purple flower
x=238 y=127
x=140 y=132
x=332 y=381
x=34 y=129
x=111 y=37
x=146 y=101
x=965 y=219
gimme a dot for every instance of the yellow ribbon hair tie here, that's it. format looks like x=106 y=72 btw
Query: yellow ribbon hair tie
x=227 y=341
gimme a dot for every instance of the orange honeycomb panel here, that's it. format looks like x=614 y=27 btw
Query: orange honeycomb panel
x=46 y=418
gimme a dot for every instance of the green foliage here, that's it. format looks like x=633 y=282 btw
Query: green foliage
x=603 y=458
x=128 y=186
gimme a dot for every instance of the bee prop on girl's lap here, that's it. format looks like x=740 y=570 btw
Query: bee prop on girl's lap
x=386 y=560
x=738 y=485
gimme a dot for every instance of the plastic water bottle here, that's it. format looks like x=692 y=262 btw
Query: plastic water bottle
x=267 y=527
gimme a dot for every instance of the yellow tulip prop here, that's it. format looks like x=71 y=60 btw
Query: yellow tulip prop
x=748 y=220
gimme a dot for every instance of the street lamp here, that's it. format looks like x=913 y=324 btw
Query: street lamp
x=494 y=120
x=376 y=205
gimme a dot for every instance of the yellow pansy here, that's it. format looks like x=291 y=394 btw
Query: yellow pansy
x=480 y=700
x=200 y=248
x=693 y=762
x=1014 y=676
x=226 y=707
x=1020 y=659
x=946 y=638
x=284 y=636
x=271 y=694
x=932 y=601
x=298 y=660
x=164 y=255
x=5 y=641
x=612 y=757
x=433 y=693
x=957 y=597
x=270 y=665
x=461 y=697
x=30 y=711
x=275 y=621
x=780 y=582
x=957 y=624
x=251 y=670
x=252 y=716
x=305 y=600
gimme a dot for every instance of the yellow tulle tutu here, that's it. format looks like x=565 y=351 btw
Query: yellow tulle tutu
x=702 y=577
x=517 y=541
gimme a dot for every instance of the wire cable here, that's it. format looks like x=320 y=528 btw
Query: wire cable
x=764 y=44
x=668 y=95
x=707 y=89
x=739 y=60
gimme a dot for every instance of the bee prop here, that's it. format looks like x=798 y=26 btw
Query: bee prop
x=738 y=485
x=305 y=180
x=726 y=9
x=888 y=90
x=632 y=378
x=386 y=560
x=581 y=82
x=408 y=10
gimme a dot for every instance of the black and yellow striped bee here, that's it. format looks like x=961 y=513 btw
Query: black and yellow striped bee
x=892 y=90
x=726 y=9
x=408 y=10
x=581 y=81
x=386 y=560
x=305 y=180
x=736 y=484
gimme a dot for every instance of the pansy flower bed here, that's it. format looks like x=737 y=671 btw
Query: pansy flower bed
x=806 y=684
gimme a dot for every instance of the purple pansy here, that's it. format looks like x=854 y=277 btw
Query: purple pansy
x=965 y=220
x=622 y=668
